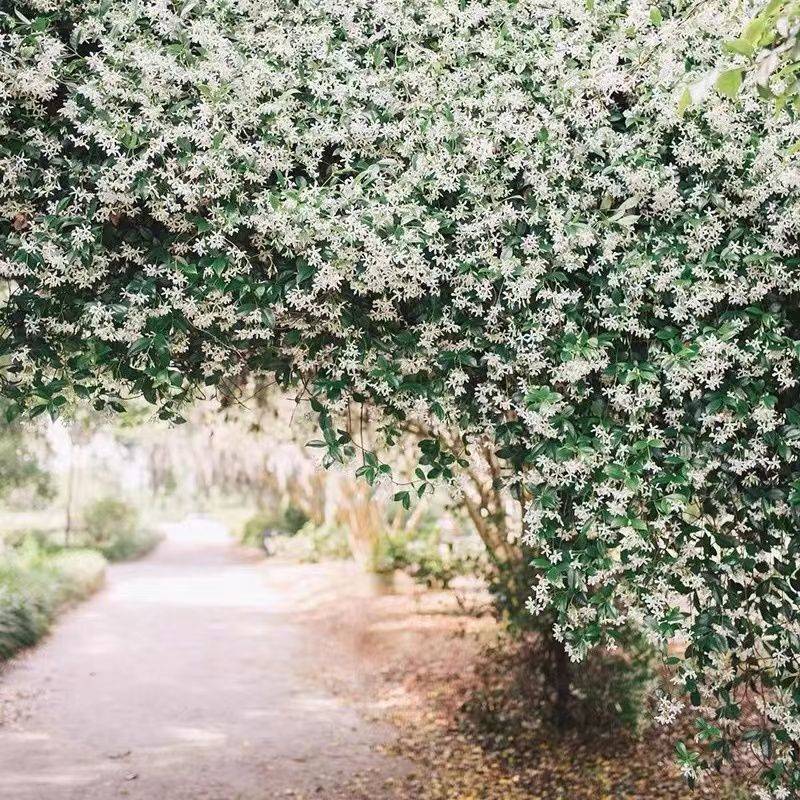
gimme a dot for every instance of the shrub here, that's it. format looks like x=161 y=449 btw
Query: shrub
x=292 y=519
x=45 y=539
x=112 y=528
x=314 y=543
x=20 y=624
x=430 y=557
x=287 y=520
x=254 y=527
x=35 y=584
x=128 y=546
x=109 y=517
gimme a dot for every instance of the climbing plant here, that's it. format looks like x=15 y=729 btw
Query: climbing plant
x=499 y=215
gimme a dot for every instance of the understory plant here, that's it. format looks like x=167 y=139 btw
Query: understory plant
x=35 y=584
x=314 y=543
x=112 y=527
x=287 y=521
x=498 y=216
x=432 y=557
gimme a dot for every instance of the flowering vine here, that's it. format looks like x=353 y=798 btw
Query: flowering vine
x=495 y=214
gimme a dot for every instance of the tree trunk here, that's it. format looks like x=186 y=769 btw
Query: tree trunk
x=561 y=678
x=70 y=488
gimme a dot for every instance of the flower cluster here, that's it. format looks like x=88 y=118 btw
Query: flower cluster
x=493 y=213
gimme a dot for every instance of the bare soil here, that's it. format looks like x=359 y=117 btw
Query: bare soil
x=472 y=710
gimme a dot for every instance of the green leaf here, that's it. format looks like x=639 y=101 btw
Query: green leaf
x=541 y=396
x=615 y=471
x=729 y=83
x=656 y=17
x=754 y=30
x=304 y=272
x=740 y=46
x=218 y=265
x=684 y=102
x=139 y=345
x=404 y=498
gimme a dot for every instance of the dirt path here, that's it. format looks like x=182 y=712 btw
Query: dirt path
x=190 y=677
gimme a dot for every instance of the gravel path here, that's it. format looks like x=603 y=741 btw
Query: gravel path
x=189 y=677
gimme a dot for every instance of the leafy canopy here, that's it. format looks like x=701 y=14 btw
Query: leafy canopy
x=498 y=214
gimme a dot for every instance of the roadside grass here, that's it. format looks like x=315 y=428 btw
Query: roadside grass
x=133 y=545
x=44 y=570
x=36 y=584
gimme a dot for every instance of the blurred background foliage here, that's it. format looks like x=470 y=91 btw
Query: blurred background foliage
x=88 y=489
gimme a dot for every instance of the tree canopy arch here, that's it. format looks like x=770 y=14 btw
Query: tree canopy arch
x=496 y=214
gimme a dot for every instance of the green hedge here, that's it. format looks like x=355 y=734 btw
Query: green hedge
x=287 y=520
x=112 y=527
x=35 y=585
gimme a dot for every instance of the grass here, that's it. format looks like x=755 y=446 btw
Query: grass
x=133 y=544
x=41 y=572
x=35 y=585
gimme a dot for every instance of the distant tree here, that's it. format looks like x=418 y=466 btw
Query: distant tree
x=22 y=451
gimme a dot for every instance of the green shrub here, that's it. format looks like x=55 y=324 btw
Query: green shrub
x=429 y=556
x=128 y=546
x=314 y=543
x=438 y=567
x=35 y=584
x=19 y=626
x=293 y=519
x=112 y=527
x=45 y=539
x=287 y=521
x=327 y=541
x=108 y=517
x=29 y=570
x=253 y=529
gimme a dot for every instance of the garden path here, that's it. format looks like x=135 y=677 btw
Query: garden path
x=189 y=677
